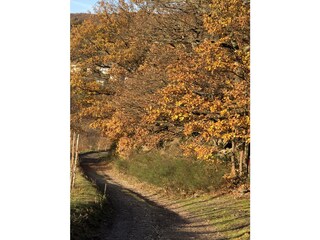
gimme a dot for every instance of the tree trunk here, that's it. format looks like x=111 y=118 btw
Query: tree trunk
x=247 y=158
x=242 y=158
x=233 y=162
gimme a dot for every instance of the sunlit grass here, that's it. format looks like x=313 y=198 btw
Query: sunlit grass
x=88 y=208
x=84 y=191
x=229 y=215
x=174 y=173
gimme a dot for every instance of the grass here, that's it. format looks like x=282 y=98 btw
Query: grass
x=88 y=208
x=174 y=173
x=228 y=214
x=231 y=217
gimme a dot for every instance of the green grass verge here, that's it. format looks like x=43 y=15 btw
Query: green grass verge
x=232 y=218
x=229 y=215
x=178 y=174
x=88 y=209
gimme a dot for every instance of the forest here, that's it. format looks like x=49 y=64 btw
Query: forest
x=164 y=77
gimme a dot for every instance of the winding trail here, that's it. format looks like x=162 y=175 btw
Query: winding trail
x=143 y=214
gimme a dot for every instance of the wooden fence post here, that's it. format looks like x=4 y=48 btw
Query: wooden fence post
x=73 y=139
x=105 y=189
x=75 y=162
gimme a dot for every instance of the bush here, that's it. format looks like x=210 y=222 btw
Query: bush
x=175 y=173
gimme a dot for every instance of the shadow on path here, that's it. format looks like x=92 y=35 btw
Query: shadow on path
x=135 y=216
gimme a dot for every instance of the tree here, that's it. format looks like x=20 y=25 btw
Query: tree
x=145 y=72
x=208 y=93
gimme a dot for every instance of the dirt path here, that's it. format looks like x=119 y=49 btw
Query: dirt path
x=142 y=213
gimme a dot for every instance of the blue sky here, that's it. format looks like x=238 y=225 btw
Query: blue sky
x=81 y=6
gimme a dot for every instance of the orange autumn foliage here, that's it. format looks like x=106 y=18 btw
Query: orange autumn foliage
x=146 y=72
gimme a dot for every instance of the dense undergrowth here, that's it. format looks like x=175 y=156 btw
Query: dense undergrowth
x=88 y=208
x=174 y=173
